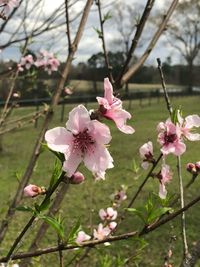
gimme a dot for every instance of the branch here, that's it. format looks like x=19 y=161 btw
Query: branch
x=151 y=45
x=102 y=37
x=138 y=33
x=111 y=239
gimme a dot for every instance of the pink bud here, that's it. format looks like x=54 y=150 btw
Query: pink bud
x=77 y=178
x=191 y=167
x=33 y=190
x=197 y=165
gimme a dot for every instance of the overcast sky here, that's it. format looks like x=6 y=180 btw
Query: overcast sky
x=90 y=42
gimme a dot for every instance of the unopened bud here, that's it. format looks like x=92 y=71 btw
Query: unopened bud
x=197 y=165
x=77 y=178
x=33 y=190
x=191 y=168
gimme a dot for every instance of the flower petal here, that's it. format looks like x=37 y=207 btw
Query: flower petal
x=58 y=139
x=71 y=163
x=192 y=121
x=108 y=91
x=100 y=132
x=79 y=117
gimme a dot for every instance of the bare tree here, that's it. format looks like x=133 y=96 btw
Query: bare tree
x=184 y=33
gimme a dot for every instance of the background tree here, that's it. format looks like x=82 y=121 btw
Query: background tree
x=183 y=33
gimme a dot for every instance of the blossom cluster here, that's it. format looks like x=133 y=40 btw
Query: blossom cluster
x=171 y=137
x=45 y=60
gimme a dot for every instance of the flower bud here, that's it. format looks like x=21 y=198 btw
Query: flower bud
x=77 y=178
x=33 y=190
x=191 y=167
x=197 y=165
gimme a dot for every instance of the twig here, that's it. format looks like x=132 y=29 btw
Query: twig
x=30 y=222
x=144 y=182
x=138 y=33
x=93 y=243
x=102 y=37
x=151 y=45
x=183 y=224
x=169 y=107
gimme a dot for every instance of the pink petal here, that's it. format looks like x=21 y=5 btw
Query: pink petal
x=102 y=214
x=180 y=149
x=78 y=119
x=145 y=165
x=119 y=117
x=162 y=191
x=192 y=121
x=192 y=136
x=58 y=139
x=100 y=132
x=71 y=163
x=98 y=160
x=108 y=91
x=103 y=101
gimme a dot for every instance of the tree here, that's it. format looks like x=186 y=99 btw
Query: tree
x=184 y=34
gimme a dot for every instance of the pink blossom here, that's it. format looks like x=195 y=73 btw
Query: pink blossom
x=197 y=165
x=187 y=125
x=108 y=214
x=101 y=232
x=112 y=225
x=111 y=108
x=81 y=237
x=119 y=195
x=47 y=61
x=146 y=153
x=68 y=91
x=26 y=61
x=77 y=178
x=164 y=176
x=9 y=5
x=84 y=140
x=33 y=190
x=191 y=168
x=170 y=138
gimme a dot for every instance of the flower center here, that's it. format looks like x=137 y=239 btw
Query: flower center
x=83 y=141
x=170 y=138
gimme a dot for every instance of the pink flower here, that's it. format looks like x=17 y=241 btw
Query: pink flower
x=191 y=167
x=197 y=165
x=170 y=139
x=26 y=61
x=101 y=232
x=164 y=176
x=146 y=153
x=112 y=225
x=81 y=237
x=119 y=195
x=111 y=108
x=108 y=214
x=68 y=91
x=77 y=178
x=33 y=190
x=187 y=125
x=84 y=140
x=9 y=5
x=47 y=61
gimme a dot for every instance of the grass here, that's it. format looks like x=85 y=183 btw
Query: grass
x=85 y=200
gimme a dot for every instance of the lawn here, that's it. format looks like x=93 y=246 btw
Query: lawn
x=83 y=201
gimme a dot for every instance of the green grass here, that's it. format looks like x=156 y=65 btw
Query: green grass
x=83 y=201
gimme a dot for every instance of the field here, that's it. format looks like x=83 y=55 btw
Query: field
x=83 y=201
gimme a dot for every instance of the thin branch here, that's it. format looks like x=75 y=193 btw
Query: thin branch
x=110 y=239
x=151 y=45
x=102 y=37
x=138 y=33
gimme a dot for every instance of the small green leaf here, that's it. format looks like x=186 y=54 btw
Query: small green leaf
x=140 y=212
x=54 y=223
x=107 y=16
x=98 y=32
x=157 y=213
x=135 y=167
x=56 y=173
x=73 y=233
x=45 y=204
x=25 y=209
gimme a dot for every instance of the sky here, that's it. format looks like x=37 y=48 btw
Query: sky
x=90 y=43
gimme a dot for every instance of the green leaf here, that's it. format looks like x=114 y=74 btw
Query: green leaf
x=73 y=233
x=157 y=213
x=25 y=209
x=45 y=204
x=53 y=222
x=140 y=212
x=135 y=167
x=107 y=16
x=98 y=32
x=56 y=173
